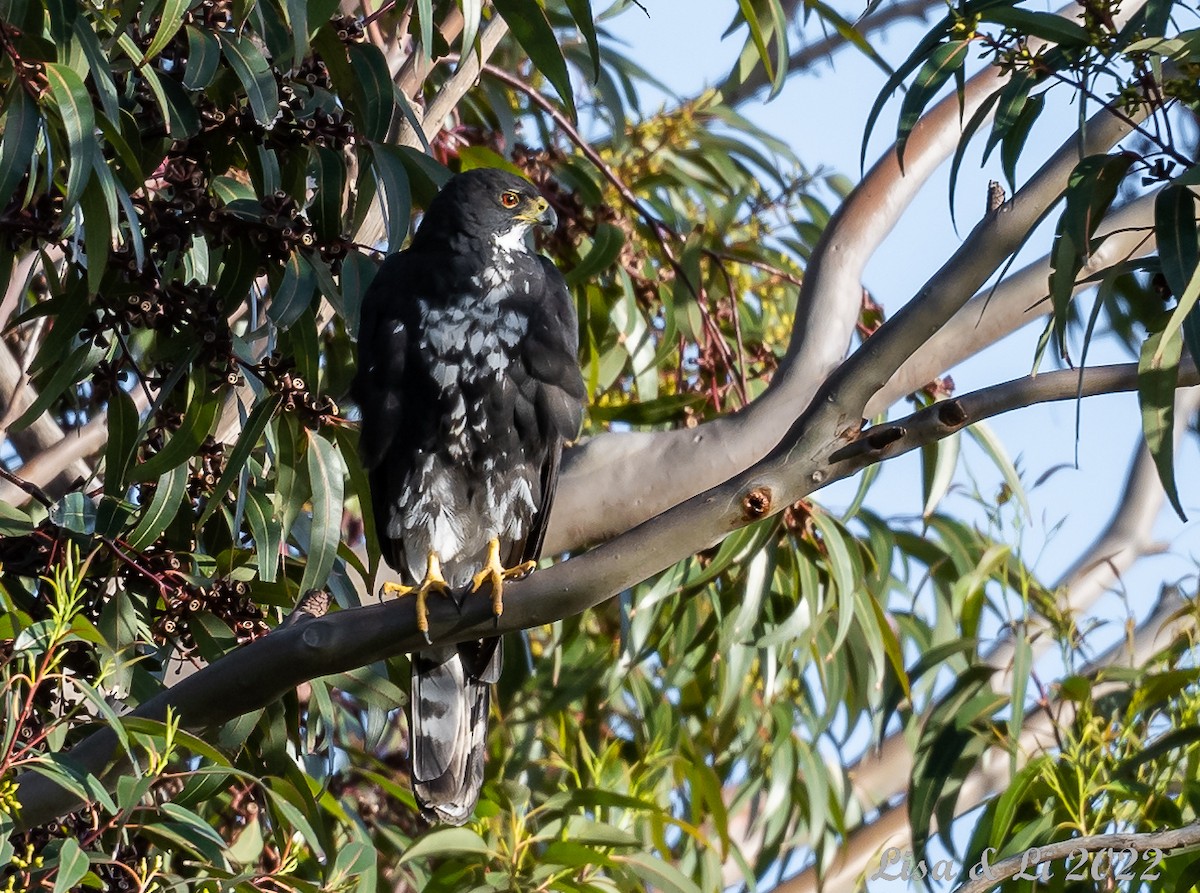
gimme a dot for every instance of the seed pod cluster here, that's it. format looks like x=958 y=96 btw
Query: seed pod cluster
x=208 y=467
x=166 y=421
x=39 y=220
x=349 y=29
x=228 y=600
x=278 y=374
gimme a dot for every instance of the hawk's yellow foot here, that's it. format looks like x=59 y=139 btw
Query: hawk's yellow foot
x=494 y=572
x=433 y=582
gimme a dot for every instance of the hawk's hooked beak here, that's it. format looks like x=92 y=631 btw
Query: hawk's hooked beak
x=539 y=212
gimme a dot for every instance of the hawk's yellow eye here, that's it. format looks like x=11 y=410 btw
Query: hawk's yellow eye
x=509 y=199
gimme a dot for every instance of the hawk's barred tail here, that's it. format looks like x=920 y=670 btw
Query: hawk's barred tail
x=450 y=701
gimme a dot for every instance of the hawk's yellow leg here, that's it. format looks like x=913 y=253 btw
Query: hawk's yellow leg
x=433 y=582
x=494 y=572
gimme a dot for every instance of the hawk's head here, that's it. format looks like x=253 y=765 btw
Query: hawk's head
x=487 y=204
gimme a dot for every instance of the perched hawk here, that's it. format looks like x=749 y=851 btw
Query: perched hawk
x=469 y=384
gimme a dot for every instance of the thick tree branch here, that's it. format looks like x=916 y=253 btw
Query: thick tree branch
x=688 y=461
x=1162 y=841
x=1015 y=302
x=891 y=439
x=266 y=670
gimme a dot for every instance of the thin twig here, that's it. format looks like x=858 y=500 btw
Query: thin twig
x=32 y=489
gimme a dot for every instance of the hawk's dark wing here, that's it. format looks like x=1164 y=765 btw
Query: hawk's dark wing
x=552 y=393
x=383 y=348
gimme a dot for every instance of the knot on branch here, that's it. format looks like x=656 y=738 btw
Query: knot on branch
x=951 y=414
x=875 y=440
x=314 y=603
x=757 y=504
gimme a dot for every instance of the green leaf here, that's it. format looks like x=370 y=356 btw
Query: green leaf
x=121 y=449
x=282 y=796
x=99 y=68
x=21 y=125
x=658 y=874
x=527 y=21
x=425 y=23
x=171 y=19
x=446 y=841
x=13 y=522
x=164 y=505
x=253 y=70
x=924 y=50
x=297 y=15
x=1184 y=316
x=329 y=183
x=235 y=464
x=939 y=460
x=63 y=15
x=1158 y=374
x=204 y=55
x=1091 y=188
x=397 y=192
x=79 y=120
x=267 y=531
x=327 y=474
x=472 y=12
x=73 y=864
x=1175 y=232
x=294 y=293
x=1013 y=145
x=1046 y=25
x=374 y=98
x=99 y=210
x=204 y=409
x=750 y=14
x=607 y=243
x=581 y=12
x=944 y=61
x=969 y=130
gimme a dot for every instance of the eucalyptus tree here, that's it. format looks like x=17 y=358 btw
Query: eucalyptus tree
x=200 y=684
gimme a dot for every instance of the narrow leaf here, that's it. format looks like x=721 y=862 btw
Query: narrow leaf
x=21 y=124
x=1175 y=231
x=253 y=70
x=162 y=509
x=397 y=192
x=204 y=55
x=171 y=19
x=1158 y=374
x=252 y=431
x=326 y=473
x=73 y=864
x=943 y=62
x=373 y=95
x=527 y=21
x=122 y=442
x=445 y=841
x=79 y=120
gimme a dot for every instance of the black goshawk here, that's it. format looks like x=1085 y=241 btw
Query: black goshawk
x=468 y=383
